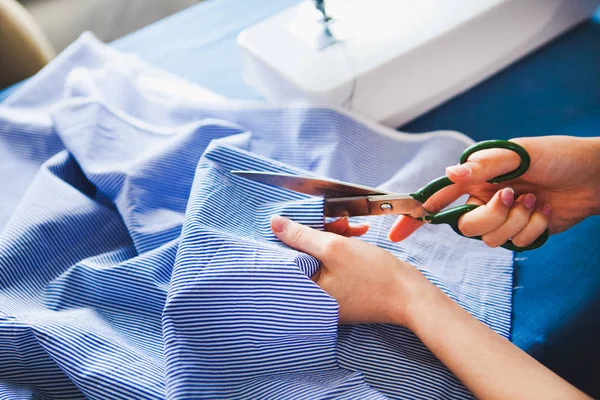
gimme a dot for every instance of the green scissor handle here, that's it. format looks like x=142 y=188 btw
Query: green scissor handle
x=452 y=215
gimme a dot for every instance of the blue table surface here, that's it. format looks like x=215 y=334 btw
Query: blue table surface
x=556 y=90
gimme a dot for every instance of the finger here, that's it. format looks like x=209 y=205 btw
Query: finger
x=343 y=227
x=488 y=217
x=537 y=225
x=300 y=237
x=443 y=198
x=518 y=218
x=484 y=165
x=475 y=200
x=339 y=226
x=356 y=230
x=403 y=228
x=315 y=277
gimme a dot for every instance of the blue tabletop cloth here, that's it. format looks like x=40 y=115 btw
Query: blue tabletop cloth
x=553 y=91
x=556 y=90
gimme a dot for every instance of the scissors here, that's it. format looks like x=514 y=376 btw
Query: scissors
x=345 y=199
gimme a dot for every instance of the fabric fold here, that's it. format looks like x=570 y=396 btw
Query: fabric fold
x=134 y=265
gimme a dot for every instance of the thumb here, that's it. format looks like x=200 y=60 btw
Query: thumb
x=484 y=165
x=300 y=237
x=403 y=228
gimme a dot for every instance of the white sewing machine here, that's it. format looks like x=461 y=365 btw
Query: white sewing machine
x=393 y=60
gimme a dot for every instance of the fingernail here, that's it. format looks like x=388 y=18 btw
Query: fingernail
x=361 y=226
x=459 y=170
x=279 y=223
x=508 y=196
x=529 y=200
x=546 y=209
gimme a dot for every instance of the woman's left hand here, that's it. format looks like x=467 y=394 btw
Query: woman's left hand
x=372 y=286
x=369 y=284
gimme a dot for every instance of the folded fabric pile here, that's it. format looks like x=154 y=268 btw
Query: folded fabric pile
x=134 y=266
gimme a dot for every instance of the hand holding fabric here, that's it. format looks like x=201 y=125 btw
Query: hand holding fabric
x=369 y=284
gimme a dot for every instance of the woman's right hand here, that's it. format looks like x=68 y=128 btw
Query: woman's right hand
x=564 y=177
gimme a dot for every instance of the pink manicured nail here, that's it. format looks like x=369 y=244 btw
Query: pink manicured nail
x=279 y=223
x=529 y=201
x=546 y=209
x=459 y=170
x=507 y=196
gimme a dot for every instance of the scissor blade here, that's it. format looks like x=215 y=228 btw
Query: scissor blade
x=395 y=204
x=327 y=188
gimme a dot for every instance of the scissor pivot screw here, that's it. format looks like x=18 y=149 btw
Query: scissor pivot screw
x=386 y=207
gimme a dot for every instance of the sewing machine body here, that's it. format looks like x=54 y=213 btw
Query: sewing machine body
x=393 y=60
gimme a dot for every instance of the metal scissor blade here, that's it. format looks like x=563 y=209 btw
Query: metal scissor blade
x=394 y=204
x=327 y=188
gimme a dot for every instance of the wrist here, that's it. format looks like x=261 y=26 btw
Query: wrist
x=413 y=290
x=590 y=147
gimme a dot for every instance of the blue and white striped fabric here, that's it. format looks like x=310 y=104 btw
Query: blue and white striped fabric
x=134 y=266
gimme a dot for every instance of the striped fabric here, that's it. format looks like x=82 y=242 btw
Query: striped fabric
x=134 y=266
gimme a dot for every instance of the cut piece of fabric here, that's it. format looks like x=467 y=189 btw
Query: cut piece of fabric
x=134 y=265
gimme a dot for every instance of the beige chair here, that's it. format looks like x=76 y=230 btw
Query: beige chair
x=64 y=20
x=24 y=49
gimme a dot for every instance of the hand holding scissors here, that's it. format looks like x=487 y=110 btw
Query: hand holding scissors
x=564 y=173
x=344 y=199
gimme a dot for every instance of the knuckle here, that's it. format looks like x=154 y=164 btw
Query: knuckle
x=466 y=229
x=521 y=241
x=517 y=222
x=490 y=241
x=434 y=204
x=540 y=219
x=477 y=163
x=296 y=235
x=497 y=204
x=521 y=209
x=335 y=245
x=496 y=215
